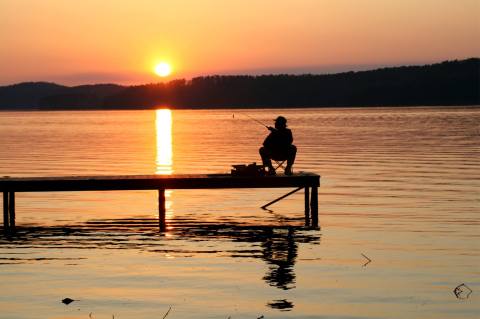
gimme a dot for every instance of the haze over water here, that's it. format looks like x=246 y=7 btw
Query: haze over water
x=399 y=185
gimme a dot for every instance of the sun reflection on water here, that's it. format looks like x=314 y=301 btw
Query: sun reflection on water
x=163 y=126
x=163 y=123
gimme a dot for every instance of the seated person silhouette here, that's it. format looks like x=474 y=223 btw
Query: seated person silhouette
x=278 y=146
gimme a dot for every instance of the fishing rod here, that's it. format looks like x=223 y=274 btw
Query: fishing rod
x=254 y=119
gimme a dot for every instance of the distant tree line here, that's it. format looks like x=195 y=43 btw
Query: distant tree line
x=446 y=83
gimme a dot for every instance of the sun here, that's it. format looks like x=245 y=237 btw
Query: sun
x=163 y=69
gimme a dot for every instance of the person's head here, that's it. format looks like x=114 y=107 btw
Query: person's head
x=280 y=122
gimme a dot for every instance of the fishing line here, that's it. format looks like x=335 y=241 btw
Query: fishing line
x=253 y=119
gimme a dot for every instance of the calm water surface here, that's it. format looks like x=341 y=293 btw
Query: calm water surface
x=400 y=186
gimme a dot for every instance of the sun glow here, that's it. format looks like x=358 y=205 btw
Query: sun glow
x=163 y=69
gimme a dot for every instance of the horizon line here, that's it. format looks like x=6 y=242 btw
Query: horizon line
x=252 y=73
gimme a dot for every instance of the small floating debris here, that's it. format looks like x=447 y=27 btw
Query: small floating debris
x=67 y=301
x=368 y=260
x=462 y=291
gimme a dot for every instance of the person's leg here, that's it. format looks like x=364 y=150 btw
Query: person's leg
x=266 y=160
x=291 y=154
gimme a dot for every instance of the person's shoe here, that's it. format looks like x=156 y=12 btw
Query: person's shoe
x=288 y=170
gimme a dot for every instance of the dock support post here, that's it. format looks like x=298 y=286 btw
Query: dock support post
x=6 y=224
x=11 y=206
x=314 y=206
x=161 y=210
x=307 y=206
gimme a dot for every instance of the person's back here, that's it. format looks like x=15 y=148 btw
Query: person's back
x=278 y=146
x=279 y=140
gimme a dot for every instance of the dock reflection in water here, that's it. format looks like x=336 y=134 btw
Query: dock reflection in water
x=277 y=246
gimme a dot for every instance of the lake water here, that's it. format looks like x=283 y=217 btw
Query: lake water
x=400 y=186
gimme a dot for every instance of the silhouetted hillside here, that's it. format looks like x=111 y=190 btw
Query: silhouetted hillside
x=27 y=94
x=446 y=83
x=42 y=94
x=84 y=96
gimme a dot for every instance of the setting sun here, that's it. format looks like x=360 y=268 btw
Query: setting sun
x=163 y=69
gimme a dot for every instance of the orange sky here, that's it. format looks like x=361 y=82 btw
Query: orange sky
x=72 y=42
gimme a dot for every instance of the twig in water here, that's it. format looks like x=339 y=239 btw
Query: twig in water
x=167 y=313
x=368 y=260
x=462 y=291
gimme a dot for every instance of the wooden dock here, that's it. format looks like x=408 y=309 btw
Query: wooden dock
x=11 y=185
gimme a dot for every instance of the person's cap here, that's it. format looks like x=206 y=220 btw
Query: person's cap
x=281 y=119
